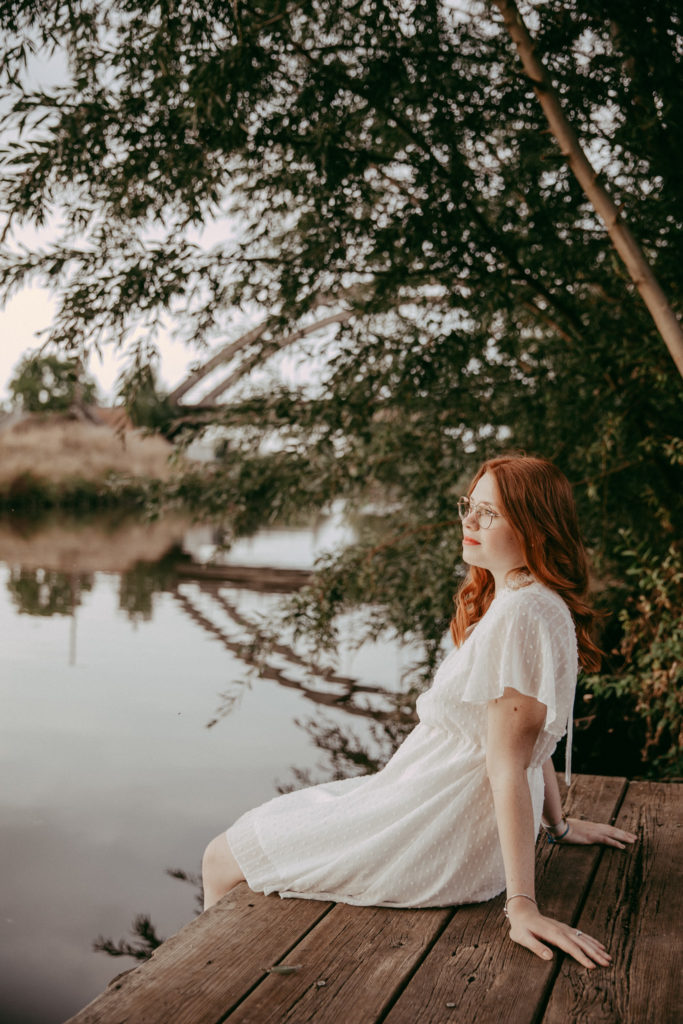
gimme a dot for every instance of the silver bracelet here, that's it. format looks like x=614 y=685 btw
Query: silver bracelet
x=516 y=896
x=554 y=830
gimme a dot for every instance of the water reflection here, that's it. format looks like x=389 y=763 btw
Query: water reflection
x=105 y=543
x=184 y=708
x=272 y=659
x=46 y=592
x=143 y=581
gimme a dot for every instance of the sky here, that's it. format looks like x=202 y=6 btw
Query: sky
x=31 y=310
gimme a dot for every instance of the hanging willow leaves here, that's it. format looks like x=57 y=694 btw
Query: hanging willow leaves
x=387 y=162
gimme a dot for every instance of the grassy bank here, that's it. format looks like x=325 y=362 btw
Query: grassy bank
x=57 y=462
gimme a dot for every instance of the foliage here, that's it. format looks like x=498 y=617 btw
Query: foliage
x=34 y=497
x=46 y=383
x=392 y=159
x=139 y=391
x=646 y=671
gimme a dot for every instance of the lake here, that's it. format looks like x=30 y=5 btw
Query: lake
x=135 y=726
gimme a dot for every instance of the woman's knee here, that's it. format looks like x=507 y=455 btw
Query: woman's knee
x=220 y=870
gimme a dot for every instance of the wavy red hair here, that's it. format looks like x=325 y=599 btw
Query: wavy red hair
x=537 y=500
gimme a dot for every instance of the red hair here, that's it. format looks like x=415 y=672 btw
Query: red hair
x=537 y=500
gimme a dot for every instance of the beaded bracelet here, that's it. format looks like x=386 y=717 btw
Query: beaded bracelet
x=551 y=831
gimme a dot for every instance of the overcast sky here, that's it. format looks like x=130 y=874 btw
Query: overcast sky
x=31 y=310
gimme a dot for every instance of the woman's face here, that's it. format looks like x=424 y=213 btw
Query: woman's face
x=496 y=548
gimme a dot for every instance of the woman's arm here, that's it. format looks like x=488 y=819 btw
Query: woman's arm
x=575 y=830
x=514 y=722
x=552 y=801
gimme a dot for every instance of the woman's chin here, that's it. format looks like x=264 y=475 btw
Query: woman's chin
x=469 y=554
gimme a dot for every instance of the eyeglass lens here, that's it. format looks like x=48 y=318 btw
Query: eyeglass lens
x=466 y=508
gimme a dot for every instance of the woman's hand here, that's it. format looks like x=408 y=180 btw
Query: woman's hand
x=529 y=928
x=586 y=833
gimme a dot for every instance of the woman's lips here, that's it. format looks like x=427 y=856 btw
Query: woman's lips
x=470 y=540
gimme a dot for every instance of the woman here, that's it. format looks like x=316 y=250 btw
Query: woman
x=452 y=818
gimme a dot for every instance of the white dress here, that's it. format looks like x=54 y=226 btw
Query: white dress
x=422 y=831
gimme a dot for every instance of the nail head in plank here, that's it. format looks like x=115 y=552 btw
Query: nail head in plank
x=197 y=976
x=351 y=965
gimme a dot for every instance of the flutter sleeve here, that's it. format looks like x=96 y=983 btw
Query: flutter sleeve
x=530 y=645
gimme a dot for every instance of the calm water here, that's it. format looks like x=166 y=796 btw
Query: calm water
x=133 y=729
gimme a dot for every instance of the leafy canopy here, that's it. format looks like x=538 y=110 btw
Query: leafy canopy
x=388 y=158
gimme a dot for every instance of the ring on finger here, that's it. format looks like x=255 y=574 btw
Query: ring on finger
x=578 y=932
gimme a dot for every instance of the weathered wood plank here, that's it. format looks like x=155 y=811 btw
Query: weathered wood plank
x=199 y=975
x=474 y=973
x=351 y=965
x=638 y=899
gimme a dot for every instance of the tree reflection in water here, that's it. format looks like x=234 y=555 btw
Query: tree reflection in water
x=264 y=654
x=391 y=714
x=46 y=591
x=348 y=755
x=142 y=582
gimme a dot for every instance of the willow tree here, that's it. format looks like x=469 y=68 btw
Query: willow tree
x=389 y=160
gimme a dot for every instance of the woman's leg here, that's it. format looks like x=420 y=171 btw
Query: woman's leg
x=220 y=870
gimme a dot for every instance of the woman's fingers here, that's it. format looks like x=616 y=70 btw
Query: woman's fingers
x=588 y=832
x=617 y=837
x=586 y=950
x=538 y=948
x=591 y=948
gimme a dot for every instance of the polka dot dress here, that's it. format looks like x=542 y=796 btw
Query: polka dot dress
x=422 y=831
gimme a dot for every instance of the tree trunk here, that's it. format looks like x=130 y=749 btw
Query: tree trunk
x=622 y=239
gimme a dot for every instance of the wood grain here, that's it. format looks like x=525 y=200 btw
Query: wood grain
x=351 y=965
x=365 y=965
x=474 y=973
x=199 y=975
x=637 y=908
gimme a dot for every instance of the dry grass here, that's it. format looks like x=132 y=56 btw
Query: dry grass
x=58 y=450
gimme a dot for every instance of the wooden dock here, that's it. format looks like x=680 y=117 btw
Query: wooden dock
x=254 y=959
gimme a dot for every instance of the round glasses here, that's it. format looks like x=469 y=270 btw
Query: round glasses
x=484 y=514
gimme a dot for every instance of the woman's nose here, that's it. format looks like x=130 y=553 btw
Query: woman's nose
x=471 y=519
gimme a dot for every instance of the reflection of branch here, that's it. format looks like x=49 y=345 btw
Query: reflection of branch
x=247 y=653
x=142 y=950
x=349 y=755
x=267 y=579
x=229 y=701
x=326 y=673
x=143 y=927
x=194 y=880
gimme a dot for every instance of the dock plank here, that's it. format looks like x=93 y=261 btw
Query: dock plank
x=352 y=964
x=638 y=900
x=199 y=975
x=474 y=973
x=366 y=965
